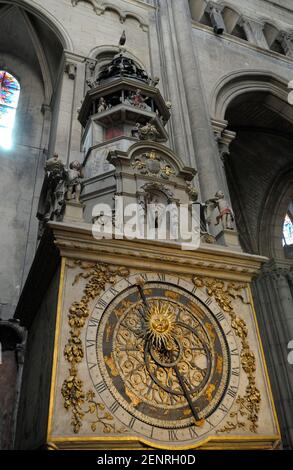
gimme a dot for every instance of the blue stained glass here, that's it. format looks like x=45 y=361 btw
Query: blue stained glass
x=288 y=230
x=9 y=96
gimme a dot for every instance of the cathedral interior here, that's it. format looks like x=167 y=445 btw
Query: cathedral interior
x=157 y=102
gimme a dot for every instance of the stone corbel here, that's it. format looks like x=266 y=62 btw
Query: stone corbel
x=286 y=40
x=223 y=137
x=254 y=31
x=70 y=69
x=215 y=12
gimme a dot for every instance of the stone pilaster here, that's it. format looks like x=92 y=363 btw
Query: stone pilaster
x=66 y=130
x=199 y=125
x=179 y=125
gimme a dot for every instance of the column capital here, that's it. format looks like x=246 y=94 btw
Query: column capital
x=277 y=272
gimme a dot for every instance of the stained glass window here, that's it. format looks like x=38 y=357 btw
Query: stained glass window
x=288 y=231
x=9 y=96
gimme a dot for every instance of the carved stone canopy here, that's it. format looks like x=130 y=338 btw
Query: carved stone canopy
x=118 y=92
x=123 y=66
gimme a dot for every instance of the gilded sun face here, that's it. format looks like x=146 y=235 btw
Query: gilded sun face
x=160 y=323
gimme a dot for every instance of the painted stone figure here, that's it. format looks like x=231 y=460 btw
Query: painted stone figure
x=225 y=215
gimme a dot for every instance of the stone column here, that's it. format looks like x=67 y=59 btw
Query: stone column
x=12 y=345
x=211 y=177
x=274 y=308
x=66 y=103
x=179 y=127
x=254 y=32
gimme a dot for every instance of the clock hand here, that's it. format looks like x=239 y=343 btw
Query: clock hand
x=141 y=292
x=144 y=310
x=186 y=392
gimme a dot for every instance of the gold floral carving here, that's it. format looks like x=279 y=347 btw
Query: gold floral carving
x=244 y=414
x=75 y=398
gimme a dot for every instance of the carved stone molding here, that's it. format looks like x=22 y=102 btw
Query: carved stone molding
x=208 y=259
x=100 y=9
x=97 y=9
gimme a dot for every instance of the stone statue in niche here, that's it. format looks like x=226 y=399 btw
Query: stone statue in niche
x=191 y=191
x=136 y=99
x=73 y=181
x=225 y=215
x=52 y=195
x=155 y=210
x=103 y=105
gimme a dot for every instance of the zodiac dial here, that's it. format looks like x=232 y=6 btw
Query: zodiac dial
x=163 y=358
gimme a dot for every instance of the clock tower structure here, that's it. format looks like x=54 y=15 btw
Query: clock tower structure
x=136 y=340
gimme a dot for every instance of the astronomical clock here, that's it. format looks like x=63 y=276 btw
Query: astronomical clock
x=167 y=358
x=134 y=342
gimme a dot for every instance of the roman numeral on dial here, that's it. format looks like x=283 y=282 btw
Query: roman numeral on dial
x=192 y=432
x=100 y=387
x=114 y=407
x=172 y=435
x=223 y=408
x=208 y=301
x=220 y=316
x=235 y=371
x=102 y=303
x=234 y=352
x=232 y=390
x=93 y=322
x=131 y=422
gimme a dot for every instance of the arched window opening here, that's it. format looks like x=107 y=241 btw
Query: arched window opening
x=239 y=32
x=277 y=47
x=288 y=228
x=9 y=96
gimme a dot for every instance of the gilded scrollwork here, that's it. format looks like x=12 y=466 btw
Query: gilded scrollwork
x=97 y=277
x=244 y=414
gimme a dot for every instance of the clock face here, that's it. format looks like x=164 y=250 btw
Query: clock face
x=163 y=358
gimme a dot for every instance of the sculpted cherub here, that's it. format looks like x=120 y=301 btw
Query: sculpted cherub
x=226 y=215
x=74 y=176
